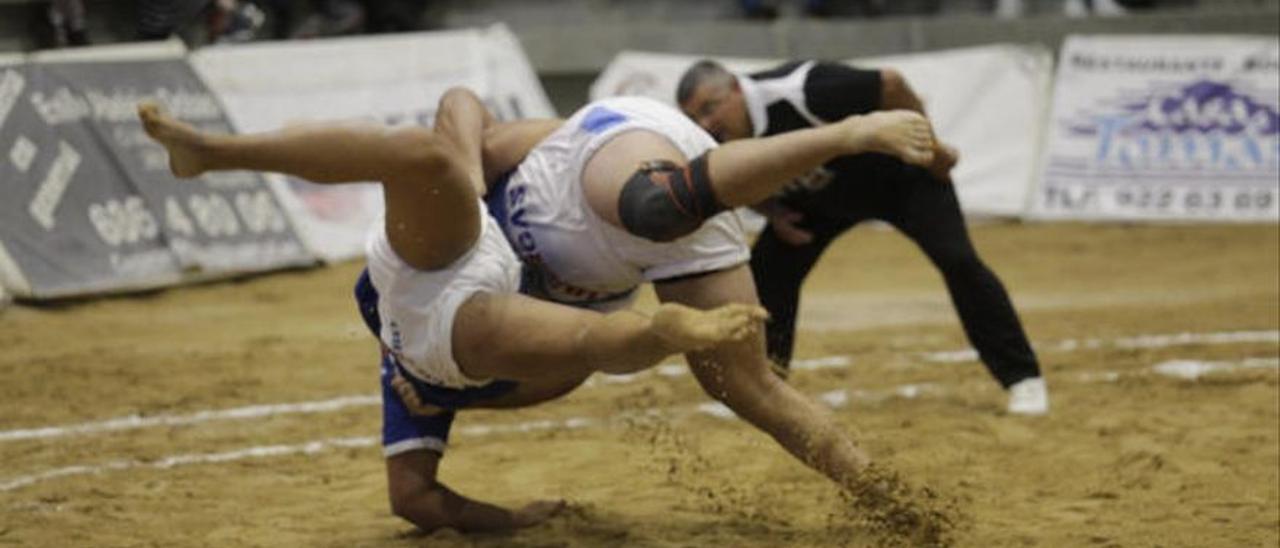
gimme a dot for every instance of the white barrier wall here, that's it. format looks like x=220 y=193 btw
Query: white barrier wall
x=1164 y=128
x=393 y=79
x=988 y=101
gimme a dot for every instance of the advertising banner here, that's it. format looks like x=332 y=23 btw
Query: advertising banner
x=387 y=79
x=90 y=205
x=1164 y=128
x=10 y=90
x=989 y=102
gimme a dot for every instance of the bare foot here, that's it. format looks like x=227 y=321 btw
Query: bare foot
x=904 y=134
x=689 y=329
x=181 y=140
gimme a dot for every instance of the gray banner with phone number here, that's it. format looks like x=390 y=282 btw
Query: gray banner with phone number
x=87 y=203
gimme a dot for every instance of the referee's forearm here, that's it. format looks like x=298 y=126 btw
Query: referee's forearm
x=896 y=93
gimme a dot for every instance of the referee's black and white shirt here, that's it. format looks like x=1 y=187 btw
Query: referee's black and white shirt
x=805 y=94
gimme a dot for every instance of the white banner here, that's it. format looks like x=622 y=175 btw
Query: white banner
x=393 y=79
x=987 y=101
x=1164 y=128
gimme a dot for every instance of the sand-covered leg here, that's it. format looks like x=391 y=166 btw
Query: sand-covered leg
x=687 y=329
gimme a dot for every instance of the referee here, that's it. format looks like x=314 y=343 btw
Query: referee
x=813 y=211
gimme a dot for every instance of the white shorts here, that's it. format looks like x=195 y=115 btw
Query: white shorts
x=418 y=307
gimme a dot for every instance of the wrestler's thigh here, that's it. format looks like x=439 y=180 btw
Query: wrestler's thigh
x=514 y=337
x=530 y=393
x=432 y=209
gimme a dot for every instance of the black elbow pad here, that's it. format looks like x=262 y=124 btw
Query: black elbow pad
x=663 y=201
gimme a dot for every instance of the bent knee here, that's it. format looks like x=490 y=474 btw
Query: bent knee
x=419 y=151
x=455 y=93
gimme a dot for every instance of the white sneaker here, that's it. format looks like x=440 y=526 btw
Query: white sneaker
x=1029 y=397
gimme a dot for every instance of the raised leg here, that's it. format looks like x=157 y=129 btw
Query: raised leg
x=431 y=180
x=747 y=171
x=461 y=121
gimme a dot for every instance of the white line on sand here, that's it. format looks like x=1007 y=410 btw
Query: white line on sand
x=835 y=398
x=1185 y=369
x=132 y=422
x=310 y=447
x=1194 y=369
x=1182 y=369
x=1140 y=341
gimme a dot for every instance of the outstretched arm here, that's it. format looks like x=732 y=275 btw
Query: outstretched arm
x=417 y=496
x=746 y=171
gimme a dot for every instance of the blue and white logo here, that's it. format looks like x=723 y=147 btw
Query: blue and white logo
x=1205 y=125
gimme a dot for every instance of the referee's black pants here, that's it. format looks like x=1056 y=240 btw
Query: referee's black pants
x=924 y=209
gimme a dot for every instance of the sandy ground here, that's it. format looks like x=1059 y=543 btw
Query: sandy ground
x=1128 y=456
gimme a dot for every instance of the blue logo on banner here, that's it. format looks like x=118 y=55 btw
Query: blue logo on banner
x=600 y=119
x=1204 y=124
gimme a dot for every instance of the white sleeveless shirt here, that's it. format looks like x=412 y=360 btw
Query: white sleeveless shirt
x=573 y=256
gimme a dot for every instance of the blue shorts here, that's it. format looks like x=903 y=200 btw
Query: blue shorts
x=427 y=427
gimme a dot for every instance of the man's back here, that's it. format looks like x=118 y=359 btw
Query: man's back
x=573 y=253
